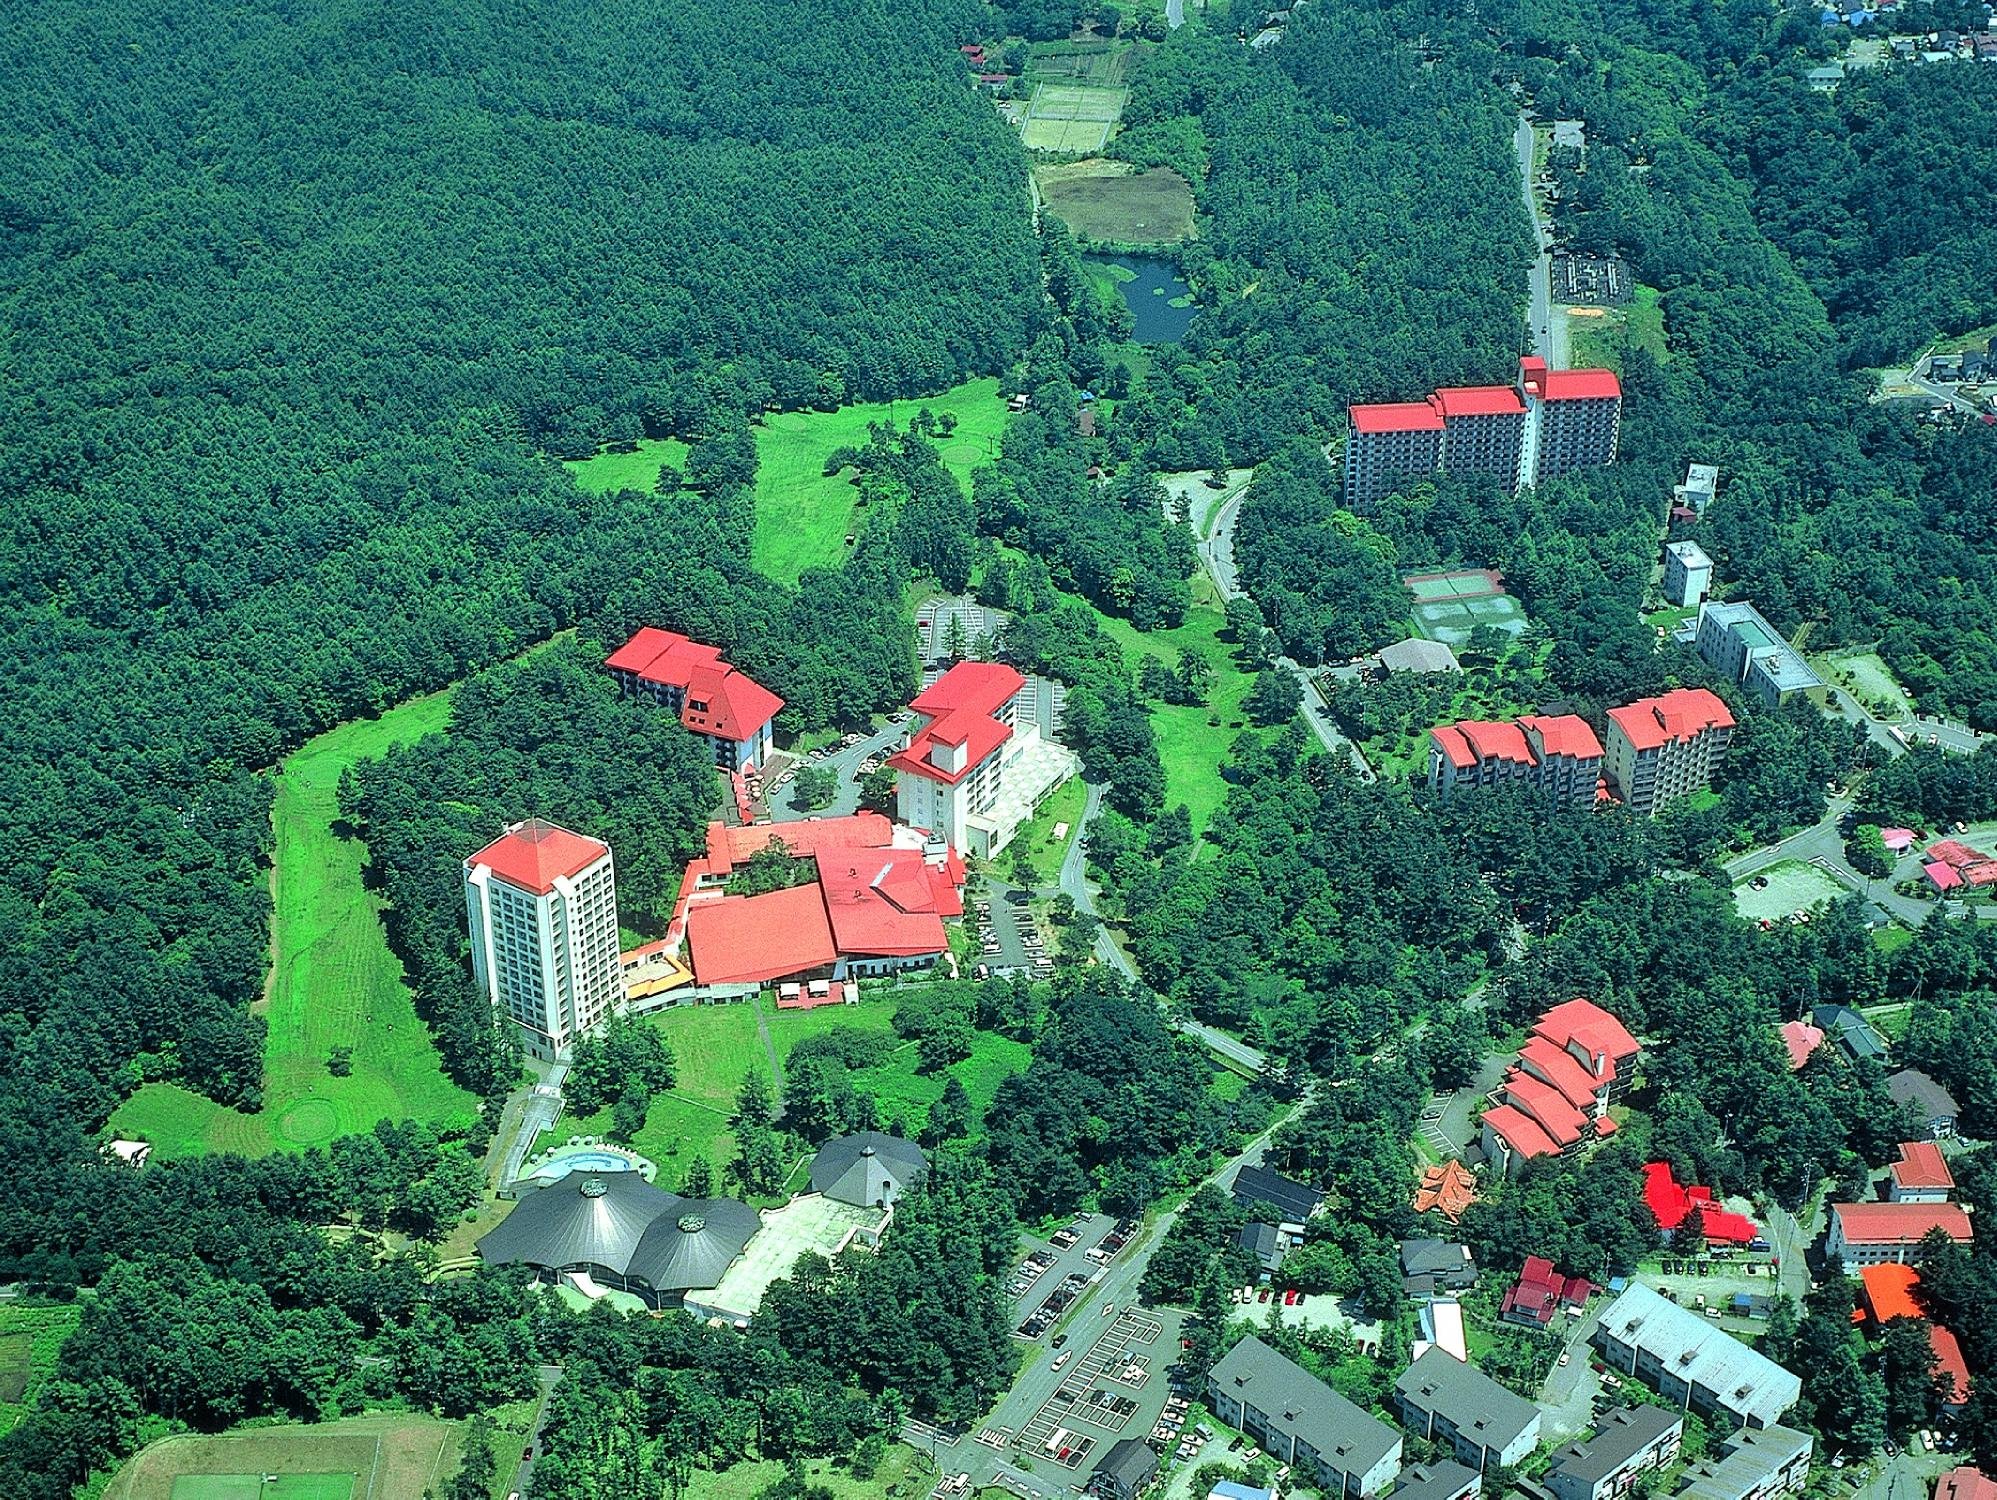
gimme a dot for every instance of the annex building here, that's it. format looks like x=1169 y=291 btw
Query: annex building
x=724 y=706
x=1554 y=755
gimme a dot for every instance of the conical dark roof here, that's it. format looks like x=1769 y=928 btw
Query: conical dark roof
x=588 y=1218
x=867 y=1169
x=695 y=1244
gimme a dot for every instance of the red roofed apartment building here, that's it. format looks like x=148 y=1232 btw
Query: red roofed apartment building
x=1555 y=1100
x=975 y=768
x=1550 y=422
x=541 y=903
x=1661 y=749
x=1557 y=756
x=727 y=708
x=1866 y=1234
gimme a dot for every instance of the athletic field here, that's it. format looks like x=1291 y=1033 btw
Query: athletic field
x=389 y=1457
x=1448 y=606
x=1465 y=583
x=1072 y=118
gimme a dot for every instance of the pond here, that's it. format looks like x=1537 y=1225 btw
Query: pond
x=1156 y=294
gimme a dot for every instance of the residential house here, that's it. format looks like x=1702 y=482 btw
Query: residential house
x=1685 y=1359
x=1431 y=1266
x=1755 y=1463
x=1800 y=1039
x=1935 y=1105
x=1126 y=1471
x=1449 y=1189
x=1540 y=1292
x=1267 y=1243
x=1449 y=1401
x=1294 y=1201
x=1673 y=1206
x=1855 y=1036
x=1301 y=1421
x=1626 y=1443
x=1866 y=1234
x=1965 y=1483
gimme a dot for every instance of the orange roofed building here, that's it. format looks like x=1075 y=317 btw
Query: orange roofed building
x=725 y=707
x=1448 y=1189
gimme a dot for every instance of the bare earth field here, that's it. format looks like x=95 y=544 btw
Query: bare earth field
x=1101 y=200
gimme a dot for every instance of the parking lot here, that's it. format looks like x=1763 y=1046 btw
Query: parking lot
x=843 y=760
x=1010 y=939
x=1102 y=1394
x=1055 y=1271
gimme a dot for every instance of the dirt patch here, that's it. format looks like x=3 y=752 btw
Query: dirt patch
x=1107 y=202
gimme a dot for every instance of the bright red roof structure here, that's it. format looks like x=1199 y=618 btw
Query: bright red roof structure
x=1801 y=1039
x=1586 y=1030
x=1449 y=739
x=1557 y=1066
x=1395 y=416
x=1955 y=852
x=980 y=686
x=1542 y=1291
x=1520 y=1132
x=960 y=705
x=533 y=855
x=1900 y=1223
x=1922 y=1168
x=718 y=699
x=1943 y=877
x=755 y=939
x=1564 y=734
x=1449 y=1189
x=1496 y=739
x=1582 y=385
x=728 y=847
x=884 y=902
x=1965 y=1483
x=1681 y=714
x=1559 y=1119
x=1949 y=1364
x=1672 y=1205
x=642 y=649
x=1478 y=401
x=1889 y=1291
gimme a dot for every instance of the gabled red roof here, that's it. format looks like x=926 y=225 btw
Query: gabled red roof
x=1802 y=1039
x=1449 y=1188
x=978 y=735
x=1581 y=385
x=1922 y=1167
x=1955 y=852
x=1519 y=1131
x=1583 y=1024
x=726 y=703
x=1559 y=1119
x=1681 y=714
x=1449 y=739
x=1965 y=1483
x=1564 y=734
x=640 y=651
x=1889 y=1291
x=728 y=847
x=1557 y=1066
x=1395 y=416
x=979 y=686
x=1478 y=401
x=1672 y=1205
x=1542 y=1291
x=533 y=855
x=1497 y=739
x=1900 y=1223
x=881 y=902
x=1949 y=1364
x=1944 y=877
x=755 y=939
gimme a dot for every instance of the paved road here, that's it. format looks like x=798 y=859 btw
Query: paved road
x=1823 y=846
x=1175 y=13
x=1230 y=1048
x=843 y=762
x=548 y=1376
x=1549 y=328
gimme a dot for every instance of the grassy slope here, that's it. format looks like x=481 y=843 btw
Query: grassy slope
x=334 y=980
x=802 y=515
x=29 y=1340
x=1036 y=842
x=609 y=472
x=1607 y=340
x=898 y=1474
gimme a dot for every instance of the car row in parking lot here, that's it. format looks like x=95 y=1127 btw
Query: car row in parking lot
x=1290 y=1297
x=1058 y=1302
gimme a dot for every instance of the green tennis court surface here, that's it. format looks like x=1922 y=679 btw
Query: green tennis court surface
x=1468 y=583
x=258 y=1487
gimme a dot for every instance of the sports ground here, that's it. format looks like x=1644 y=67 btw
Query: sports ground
x=1074 y=119
x=1448 y=606
x=389 y=1457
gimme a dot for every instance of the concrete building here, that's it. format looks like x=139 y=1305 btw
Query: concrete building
x=1921 y=1175
x=1934 y=1105
x=1688 y=574
x=975 y=767
x=1867 y=1234
x=1555 y=755
x=1752 y=1464
x=1702 y=483
x=1549 y=422
x=1625 y=1444
x=1301 y=1421
x=1733 y=638
x=1664 y=748
x=726 y=708
x=1440 y=1481
x=1578 y=1061
x=1685 y=1359
x=1451 y=1402
x=541 y=904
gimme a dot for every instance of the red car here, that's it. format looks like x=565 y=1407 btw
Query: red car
x=1289 y=1299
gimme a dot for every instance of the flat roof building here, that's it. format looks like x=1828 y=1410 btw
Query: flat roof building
x=1684 y=1358
x=1451 y=1402
x=1303 y=1422
x=1688 y=574
x=1733 y=638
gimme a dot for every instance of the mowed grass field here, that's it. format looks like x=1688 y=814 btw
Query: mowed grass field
x=609 y=472
x=1107 y=201
x=898 y=1475
x=30 y=1338
x=804 y=514
x=333 y=982
x=396 y=1456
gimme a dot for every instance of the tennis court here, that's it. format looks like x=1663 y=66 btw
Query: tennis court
x=1466 y=583
x=1450 y=621
x=1072 y=118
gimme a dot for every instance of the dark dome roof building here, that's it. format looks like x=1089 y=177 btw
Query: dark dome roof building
x=616 y=1229
x=867 y=1169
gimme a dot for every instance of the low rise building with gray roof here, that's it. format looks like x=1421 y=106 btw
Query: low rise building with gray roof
x=1734 y=638
x=1449 y=1401
x=1302 y=1421
x=1757 y=1463
x=1418 y=655
x=1626 y=1442
x=1439 y=1481
x=868 y=1169
x=1685 y=1359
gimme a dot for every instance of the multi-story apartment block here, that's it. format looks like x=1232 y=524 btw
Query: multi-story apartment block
x=1626 y=1443
x=1756 y=1463
x=1734 y=638
x=1303 y=1422
x=1688 y=574
x=541 y=903
x=1549 y=422
x=1556 y=755
x=727 y=708
x=1685 y=1359
x=1455 y=1404
x=1664 y=748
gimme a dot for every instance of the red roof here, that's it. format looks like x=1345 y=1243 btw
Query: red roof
x=533 y=855
x=1520 y=1132
x=960 y=705
x=1564 y=734
x=1542 y=1291
x=1449 y=1188
x=1955 y=852
x=755 y=939
x=1965 y=1483
x=1900 y=1223
x=981 y=686
x=1558 y=1067
x=1497 y=740
x=729 y=704
x=1982 y=874
x=1922 y=1166
x=728 y=847
x=1801 y=1038
x=1583 y=1024
x=1395 y=416
x=1582 y=385
x=1478 y=401
x=1949 y=1364
x=1889 y=1291
x=1681 y=714
x=1672 y=1205
x=1449 y=739
x=1943 y=877
x=638 y=653
x=884 y=902
x=1559 y=1119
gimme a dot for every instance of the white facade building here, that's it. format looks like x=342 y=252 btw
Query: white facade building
x=1688 y=574
x=541 y=904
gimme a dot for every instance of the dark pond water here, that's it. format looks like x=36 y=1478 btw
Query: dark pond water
x=1157 y=295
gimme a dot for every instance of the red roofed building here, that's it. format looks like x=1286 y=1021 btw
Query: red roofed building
x=1448 y=1189
x=1867 y=1234
x=1596 y=1040
x=1664 y=748
x=975 y=767
x=1888 y=1292
x=1942 y=875
x=541 y=907
x=1556 y=755
x=1556 y=1096
x=729 y=846
x=1674 y=1206
x=1547 y=423
x=757 y=940
x=1951 y=1370
x=1511 y=1134
x=1921 y=1175
x=1965 y=1483
x=725 y=707
x=1541 y=1292
x=1800 y=1039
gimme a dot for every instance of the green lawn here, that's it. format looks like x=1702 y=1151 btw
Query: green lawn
x=30 y=1338
x=1890 y=940
x=803 y=515
x=333 y=980
x=902 y=1472
x=1607 y=340
x=638 y=470
x=1036 y=841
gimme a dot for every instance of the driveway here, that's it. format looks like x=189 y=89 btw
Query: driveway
x=547 y=1378
x=1445 y=1124
x=1549 y=328
x=1567 y=1395
x=844 y=762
